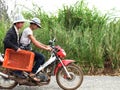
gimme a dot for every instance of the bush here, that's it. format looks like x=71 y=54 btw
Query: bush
x=85 y=34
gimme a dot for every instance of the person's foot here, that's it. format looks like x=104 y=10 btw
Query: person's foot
x=33 y=76
x=18 y=74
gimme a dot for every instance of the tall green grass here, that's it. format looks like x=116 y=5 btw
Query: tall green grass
x=84 y=33
x=2 y=33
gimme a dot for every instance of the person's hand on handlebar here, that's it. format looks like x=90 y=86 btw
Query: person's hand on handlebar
x=49 y=48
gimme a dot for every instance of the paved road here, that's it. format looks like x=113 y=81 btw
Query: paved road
x=89 y=83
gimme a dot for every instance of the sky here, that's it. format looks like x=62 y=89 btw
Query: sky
x=52 y=6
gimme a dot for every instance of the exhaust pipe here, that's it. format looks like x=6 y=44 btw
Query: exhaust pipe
x=4 y=75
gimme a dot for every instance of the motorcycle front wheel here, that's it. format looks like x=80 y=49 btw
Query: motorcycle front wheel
x=70 y=83
x=6 y=83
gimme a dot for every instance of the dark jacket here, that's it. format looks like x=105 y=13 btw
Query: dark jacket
x=10 y=40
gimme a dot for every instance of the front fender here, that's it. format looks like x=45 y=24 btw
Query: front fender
x=65 y=62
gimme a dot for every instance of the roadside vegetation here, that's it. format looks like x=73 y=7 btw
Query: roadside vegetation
x=87 y=36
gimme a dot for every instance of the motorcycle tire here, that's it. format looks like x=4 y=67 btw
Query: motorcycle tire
x=6 y=83
x=70 y=83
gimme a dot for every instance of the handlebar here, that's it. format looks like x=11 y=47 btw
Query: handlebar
x=51 y=42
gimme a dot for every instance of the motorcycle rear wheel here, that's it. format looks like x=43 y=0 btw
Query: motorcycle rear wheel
x=70 y=83
x=6 y=83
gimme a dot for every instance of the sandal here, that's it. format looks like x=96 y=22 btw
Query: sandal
x=33 y=77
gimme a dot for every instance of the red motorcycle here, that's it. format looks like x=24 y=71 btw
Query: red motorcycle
x=68 y=75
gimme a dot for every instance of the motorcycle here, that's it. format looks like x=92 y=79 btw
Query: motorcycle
x=68 y=75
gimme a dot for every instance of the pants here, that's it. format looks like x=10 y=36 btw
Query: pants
x=39 y=60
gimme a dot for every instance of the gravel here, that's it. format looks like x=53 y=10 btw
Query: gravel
x=89 y=83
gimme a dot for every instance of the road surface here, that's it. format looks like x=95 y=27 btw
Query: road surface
x=89 y=83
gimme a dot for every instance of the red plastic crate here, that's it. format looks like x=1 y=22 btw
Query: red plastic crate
x=22 y=60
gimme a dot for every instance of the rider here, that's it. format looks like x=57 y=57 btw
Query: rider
x=26 y=38
x=11 y=39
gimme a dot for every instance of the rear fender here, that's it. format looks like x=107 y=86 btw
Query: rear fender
x=65 y=62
